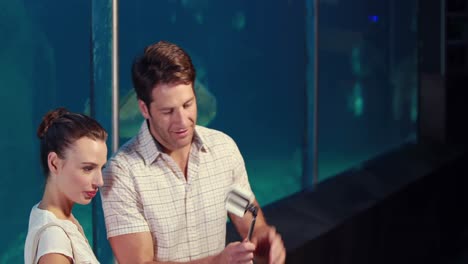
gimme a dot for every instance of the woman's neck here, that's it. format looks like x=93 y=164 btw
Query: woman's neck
x=55 y=202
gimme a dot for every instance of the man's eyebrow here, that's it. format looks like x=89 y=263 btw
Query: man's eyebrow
x=189 y=100
x=169 y=108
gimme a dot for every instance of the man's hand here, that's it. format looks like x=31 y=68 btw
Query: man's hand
x=237 y=252
x=269 y=246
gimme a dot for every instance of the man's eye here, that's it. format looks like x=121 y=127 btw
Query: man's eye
x=88 y=169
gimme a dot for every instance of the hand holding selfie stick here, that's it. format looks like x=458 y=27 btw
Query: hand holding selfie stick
x=238 y=202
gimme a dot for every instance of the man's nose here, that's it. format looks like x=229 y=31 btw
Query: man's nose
x=180 y=116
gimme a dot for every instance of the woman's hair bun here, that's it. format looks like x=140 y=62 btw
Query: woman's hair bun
x=49 y=119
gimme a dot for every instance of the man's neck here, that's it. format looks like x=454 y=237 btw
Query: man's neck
x=181 y=157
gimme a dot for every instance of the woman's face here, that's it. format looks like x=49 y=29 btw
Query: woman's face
x=79 y=173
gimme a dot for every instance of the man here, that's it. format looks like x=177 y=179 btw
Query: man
x=164 y=190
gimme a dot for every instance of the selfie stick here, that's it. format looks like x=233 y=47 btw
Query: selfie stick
x=253 y=210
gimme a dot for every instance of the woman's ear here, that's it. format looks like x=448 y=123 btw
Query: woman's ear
x=53 y=161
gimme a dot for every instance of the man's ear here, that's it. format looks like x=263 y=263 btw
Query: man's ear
x=53 y=161
x=144 y=109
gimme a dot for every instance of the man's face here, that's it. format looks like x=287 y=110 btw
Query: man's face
x=172 y=115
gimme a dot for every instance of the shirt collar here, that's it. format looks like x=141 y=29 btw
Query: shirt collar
x=199 y=141
x=150 y=149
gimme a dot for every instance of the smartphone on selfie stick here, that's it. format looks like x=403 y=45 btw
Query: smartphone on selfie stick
x=239 y=202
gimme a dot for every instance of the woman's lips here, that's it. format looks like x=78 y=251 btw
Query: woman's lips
x=91 y=195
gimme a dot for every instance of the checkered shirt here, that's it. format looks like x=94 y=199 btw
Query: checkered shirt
x=145 y=191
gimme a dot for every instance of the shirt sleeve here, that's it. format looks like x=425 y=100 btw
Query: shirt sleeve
x=240 y=177
x=123 y=211
x=54 y=240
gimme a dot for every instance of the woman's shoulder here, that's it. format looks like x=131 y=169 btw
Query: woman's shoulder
x=38 y=218
x=54 y=237
x=41 y=217
x=45 y=235
x=53 y=240
x=49 y=234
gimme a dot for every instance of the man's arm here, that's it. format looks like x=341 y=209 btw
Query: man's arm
x=133 y=248
x=138 y=248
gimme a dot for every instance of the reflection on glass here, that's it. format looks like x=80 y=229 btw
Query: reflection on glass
x=368 y=80
x=250 y=77
x=44 y=64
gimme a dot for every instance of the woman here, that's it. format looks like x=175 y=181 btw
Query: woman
x=73 y=152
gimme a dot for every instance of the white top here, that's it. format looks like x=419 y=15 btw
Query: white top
x=145 y=191
x=54 y=239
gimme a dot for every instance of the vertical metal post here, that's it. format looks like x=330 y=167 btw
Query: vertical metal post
x=443 y=20
x=310 y=151
x=315 y=165
x=104 y=104
x=392 y=38
x=115 y=75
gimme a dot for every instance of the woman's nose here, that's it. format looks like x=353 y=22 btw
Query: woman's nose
x=98 y=181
